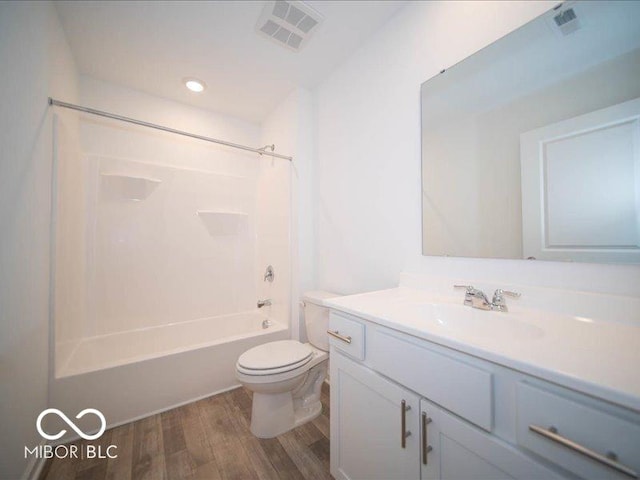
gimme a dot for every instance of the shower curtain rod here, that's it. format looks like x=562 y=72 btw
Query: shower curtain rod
x=259 y=151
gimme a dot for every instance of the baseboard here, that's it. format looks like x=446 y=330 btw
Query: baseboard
x=35 y=465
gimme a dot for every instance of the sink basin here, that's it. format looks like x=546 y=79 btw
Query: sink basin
x=462 y=321
x=586 y=342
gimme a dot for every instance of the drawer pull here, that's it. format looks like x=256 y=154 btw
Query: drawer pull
x=552 y=434
x=336 y=334
x=426 y=448
x=404 y=408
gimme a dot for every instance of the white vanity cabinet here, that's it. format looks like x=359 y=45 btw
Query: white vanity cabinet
x=366 y=423
x=368 y=429
x=405 y=408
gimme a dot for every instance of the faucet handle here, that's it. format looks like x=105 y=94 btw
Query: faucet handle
x=498 y=302
x=470 y=288
x=500 y=292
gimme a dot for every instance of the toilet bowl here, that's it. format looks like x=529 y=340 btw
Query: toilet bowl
x=286 y=376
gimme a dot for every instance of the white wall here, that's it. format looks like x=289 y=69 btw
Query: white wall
x=37 y=64
x=143 y=106
x=368 y=156
x=288 y=186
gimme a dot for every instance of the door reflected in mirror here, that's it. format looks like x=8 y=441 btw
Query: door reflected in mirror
x=531 y=147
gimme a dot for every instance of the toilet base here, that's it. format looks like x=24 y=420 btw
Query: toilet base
x=273 y=415
x=306 y=414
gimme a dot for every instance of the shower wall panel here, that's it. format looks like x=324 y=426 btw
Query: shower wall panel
x=152 y=229
x=69 y=241
x=158 y=257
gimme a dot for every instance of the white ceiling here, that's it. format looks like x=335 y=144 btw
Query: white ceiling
x=151 y=46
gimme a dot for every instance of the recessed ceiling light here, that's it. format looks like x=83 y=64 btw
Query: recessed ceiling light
x=194 y=84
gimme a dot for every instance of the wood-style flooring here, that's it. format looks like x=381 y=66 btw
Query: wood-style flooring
x=207 y=439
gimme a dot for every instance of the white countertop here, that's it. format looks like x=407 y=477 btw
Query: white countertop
x=598 y=358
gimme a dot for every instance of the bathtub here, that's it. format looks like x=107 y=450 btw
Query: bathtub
x=133 y=374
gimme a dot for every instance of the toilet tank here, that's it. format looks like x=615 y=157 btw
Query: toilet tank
x=316 y=318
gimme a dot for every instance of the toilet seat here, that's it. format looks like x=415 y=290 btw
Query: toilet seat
x=274 y=358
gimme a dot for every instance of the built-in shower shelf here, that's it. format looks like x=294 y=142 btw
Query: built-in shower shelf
x=128 y=187
x=219 y=222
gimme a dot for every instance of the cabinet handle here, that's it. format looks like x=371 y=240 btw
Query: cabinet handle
x=426 y=448
x=609 y=460
x=336 y=334
x=404 y=408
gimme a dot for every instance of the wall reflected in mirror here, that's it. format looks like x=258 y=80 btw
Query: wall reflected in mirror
x=531 y=147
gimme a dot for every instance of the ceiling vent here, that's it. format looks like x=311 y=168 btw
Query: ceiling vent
x=564 y=21
x=288 y=23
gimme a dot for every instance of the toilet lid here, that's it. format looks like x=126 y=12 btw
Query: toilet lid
x=276 y=355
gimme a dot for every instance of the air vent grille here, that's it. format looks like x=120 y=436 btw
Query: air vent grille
x=288 y=23
x=566 y=22
x=565 y=17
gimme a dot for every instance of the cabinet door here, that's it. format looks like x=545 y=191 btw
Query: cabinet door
x=366 y=425
x=460 y=450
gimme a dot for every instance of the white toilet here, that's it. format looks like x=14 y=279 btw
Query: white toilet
x=286 y=376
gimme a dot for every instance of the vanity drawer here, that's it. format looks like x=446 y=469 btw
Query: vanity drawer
x=461 y=388
x=575 y=436
x=346 y=334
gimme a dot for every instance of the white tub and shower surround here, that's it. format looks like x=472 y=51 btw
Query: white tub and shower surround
x=152 y=240
x=161 y=246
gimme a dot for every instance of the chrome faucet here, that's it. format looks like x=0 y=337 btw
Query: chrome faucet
x=477 y=299
x=264 y=303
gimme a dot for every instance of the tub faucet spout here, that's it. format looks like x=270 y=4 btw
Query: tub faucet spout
x=264 y=303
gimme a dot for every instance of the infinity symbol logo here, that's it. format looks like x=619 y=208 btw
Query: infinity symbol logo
x=71 y=424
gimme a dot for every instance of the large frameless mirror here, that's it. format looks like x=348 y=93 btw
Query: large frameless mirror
x=531 y=147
